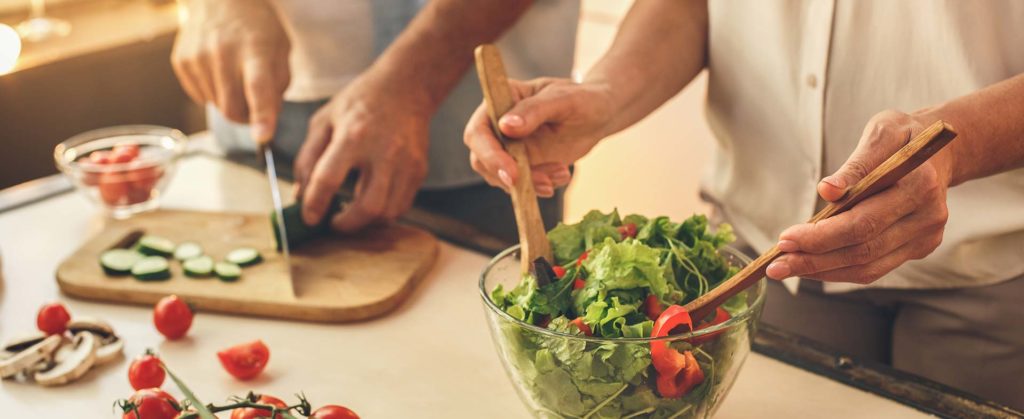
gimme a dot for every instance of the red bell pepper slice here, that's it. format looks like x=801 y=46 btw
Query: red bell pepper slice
x=678 y=373
x=582 y=257
x=720 y=317
x=582 y=326
x=559 y=271
x=578 y=283
x=652 y=307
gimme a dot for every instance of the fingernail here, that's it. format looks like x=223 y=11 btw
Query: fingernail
x=561 y=176
x=261 y=132
x=505 y=178
x=545 y=190
x=513 y=121
x=778 y=270
x=788 y=246
x=837 y=182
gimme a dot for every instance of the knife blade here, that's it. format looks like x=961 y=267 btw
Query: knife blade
x=275 y=195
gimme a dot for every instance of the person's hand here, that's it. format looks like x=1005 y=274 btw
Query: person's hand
x=376 y=128
x=234 y=54
x=559 y=120
x=882 y=232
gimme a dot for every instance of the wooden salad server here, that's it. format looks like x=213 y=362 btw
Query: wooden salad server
x=533 y=240
x=904 y=161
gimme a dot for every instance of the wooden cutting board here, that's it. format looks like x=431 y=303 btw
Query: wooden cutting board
x=336 y=279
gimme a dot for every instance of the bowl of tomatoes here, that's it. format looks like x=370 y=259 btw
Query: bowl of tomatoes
x=124 y=169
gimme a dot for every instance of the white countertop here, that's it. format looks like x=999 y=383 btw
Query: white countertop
x=431 y=358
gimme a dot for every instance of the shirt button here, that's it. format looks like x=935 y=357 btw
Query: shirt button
x=812 y=80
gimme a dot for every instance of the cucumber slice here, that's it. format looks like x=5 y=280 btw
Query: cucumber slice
x=188 y=250
x=227 y=271
x=119 y=261
x=198 y=267
x=298 y=232
x=156 y=246
x=151 y=268
x=244 y=256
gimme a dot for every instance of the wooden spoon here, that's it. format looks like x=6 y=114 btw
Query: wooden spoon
x=533 y=240
x=904 y=161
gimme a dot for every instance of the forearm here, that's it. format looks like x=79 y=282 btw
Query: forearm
x=661 y=46
x=433 y=53
x=990 y=128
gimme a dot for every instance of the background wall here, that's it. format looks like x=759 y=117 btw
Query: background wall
x=653 y=167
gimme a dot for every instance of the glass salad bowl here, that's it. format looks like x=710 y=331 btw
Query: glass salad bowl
x=125 y=169
x=562 y=375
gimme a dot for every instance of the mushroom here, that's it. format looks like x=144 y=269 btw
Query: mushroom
x=71 y=361
x=26 y=352
x=111 y=345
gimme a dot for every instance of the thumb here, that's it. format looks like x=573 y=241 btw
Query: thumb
x=263 y=94
x=869 y=154
x=532 y=112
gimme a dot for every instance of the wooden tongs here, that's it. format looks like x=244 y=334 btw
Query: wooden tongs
x=534 y=247
x=904 y=161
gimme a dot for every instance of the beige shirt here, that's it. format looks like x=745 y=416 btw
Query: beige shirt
x=793 y=82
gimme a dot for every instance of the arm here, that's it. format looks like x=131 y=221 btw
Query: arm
x=660 y=47
x=379 y=123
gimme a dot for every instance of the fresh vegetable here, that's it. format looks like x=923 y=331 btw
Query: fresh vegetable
x=172 y=317
x=254 y=413
x=620 y=274
x=146 y=372
x=245 y=256
x=151 y=403
x=119 y=261
x=151 y=268
x=227 y=271
x=53 y=319
x=198 y=267
x=721 y=316
x=188 y=250
x=156 y=246
x=334 y=412
x=245 y=361
x=298 y=232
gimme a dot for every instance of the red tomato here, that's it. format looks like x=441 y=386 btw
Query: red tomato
x=141 y=183
x=253 y=413
x=146 y=372
x=334 y=412
x=172 y=317
x=245 y=361
x=130 y=150
x=559 y=271
x=627 y=230
x=53 y=319
x=582 y=326
x=121 y=157
x=113 y=188
x=152 y=403
x=99 y=157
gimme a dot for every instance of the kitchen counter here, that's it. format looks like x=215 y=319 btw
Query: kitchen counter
x=431 y=358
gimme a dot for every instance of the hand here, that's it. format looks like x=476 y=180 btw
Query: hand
x=372 y=126
x=234 y=54
x=881 y=232
x=559 y=120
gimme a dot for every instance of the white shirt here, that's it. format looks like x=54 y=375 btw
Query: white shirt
x=793 y=82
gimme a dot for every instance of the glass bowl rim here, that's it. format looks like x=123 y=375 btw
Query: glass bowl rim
x=61 y=149
x=760 y=286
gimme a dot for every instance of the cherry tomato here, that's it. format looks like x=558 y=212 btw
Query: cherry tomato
x=245 y=361
x=582 y=326
x=254 y=413
x=559 y=271
x=141 y=183
x=130 y=150
x=146 y=372
x=99 y=157
x=121 y=157
x=172 y=317
x=53 y=319
x=627 y=230
x=113 y=188
x=152 y=403
x=334 y=412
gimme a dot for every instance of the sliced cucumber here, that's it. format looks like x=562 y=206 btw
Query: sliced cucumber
x=298 y=232
x=156 y=246
x=119 y=261
x=188 y=250
x=151 y=268
x=227 y=271
x=198 y=267
x=244 y=256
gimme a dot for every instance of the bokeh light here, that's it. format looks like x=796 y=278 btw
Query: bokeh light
x=10 y=48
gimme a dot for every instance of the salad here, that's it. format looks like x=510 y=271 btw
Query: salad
x=616 y=282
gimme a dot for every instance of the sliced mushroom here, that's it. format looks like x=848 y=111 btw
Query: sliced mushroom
x=21 y=343
x=29 y=356
x=111 y=345
x=71 y=361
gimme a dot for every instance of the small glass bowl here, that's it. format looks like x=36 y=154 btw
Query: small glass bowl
x=97 y=162
x=552 y=386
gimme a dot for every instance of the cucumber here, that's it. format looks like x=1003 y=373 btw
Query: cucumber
x=298 y=232
x=198 y=267
x=119 y=261
x=188 y=250
x=151 y=268
x=227 y=271
x=244 y=256
x=156 y=246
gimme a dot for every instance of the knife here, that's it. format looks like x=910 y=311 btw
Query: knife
x=275 y=195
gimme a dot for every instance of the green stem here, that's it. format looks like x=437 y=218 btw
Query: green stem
x=606 y=401
x=680 y=412
x=274 y=410
x=640 y=412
